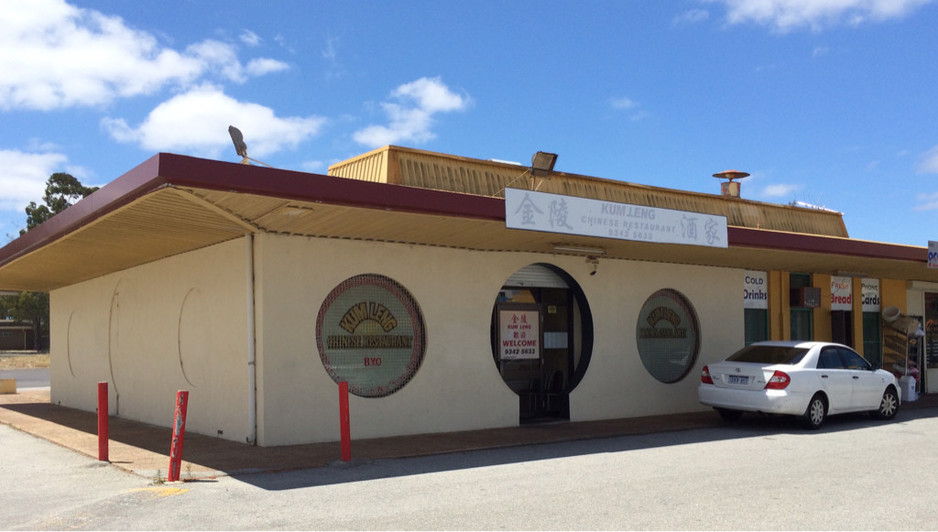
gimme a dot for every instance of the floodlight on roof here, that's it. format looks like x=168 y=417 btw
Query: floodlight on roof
x=542 y=163
x=238 y=139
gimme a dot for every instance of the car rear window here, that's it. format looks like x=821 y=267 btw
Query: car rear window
x=769 y=354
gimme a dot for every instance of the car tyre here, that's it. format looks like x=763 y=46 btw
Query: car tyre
x=816 y=412
x=729 y=414
x=888 y=406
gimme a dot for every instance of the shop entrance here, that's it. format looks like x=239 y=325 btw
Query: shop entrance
x=541 y=340
x=930 y=342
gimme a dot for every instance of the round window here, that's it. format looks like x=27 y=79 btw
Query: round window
x=668 y=335
x=370 y=333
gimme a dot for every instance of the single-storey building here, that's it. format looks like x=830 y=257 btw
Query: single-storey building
x=450 y=293
x=16 y=336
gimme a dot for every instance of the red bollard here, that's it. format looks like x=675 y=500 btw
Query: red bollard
x=102 y=422
x=179 y=433
x=344 y=422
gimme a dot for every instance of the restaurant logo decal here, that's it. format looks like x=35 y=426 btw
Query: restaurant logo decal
x=668 y=335
x=370 y=333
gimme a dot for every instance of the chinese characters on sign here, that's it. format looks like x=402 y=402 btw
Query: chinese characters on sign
x=539 y=211
x=520 y=334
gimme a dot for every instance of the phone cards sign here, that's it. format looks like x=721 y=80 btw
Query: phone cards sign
x=552 y=213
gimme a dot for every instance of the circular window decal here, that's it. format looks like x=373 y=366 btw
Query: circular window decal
x=668 y=335
x=370 y=333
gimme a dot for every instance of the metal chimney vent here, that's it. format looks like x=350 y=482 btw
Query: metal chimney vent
x=730 y=188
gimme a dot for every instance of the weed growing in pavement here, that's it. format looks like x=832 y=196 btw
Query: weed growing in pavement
x=158 y=479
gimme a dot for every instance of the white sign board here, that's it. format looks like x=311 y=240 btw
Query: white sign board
x=520 y=333
x=841 y=293
x=552 y=213
x=932 y=254
x=871 y=301
x=755 y=290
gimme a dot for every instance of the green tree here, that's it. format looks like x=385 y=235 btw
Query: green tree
x=62 y=190
x=31 y=308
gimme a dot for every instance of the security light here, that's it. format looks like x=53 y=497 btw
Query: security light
x=238 y=139
x=542 y=163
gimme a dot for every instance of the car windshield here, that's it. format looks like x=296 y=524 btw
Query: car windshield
x=769 y=354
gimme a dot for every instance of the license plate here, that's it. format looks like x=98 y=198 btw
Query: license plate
x=737 y=379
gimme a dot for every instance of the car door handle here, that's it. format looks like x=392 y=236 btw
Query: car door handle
x=856 y=377
x=823 y=376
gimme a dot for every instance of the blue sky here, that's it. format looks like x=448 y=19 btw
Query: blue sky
x=828 y=102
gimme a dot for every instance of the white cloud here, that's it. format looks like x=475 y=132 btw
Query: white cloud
x=412 y=117
x=780 y=191
x=54 y=55
x=262 y=66
x=691 y=16
x=24 y=177
x=631 y=106
x=622 y=103
x=928 y=162
x=197 y=122
x=787 y=15
x=928 y=202
x=249 y=38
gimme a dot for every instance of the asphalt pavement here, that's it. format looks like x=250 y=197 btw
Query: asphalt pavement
x=143 y=449
x=763 y=473
x=27 y=378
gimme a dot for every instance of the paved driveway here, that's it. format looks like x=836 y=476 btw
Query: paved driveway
x=769 y=474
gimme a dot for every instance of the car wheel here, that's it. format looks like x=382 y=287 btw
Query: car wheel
x=888 y=406
x=814 y=416
x=729 y=415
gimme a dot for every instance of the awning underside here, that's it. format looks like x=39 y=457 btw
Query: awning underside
x=174 y=220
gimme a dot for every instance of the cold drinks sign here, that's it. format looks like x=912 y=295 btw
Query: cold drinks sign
x=755 y=290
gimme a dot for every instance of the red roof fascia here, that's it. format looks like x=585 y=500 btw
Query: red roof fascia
x=214 y=175
x=179 y=170
x=760 y=238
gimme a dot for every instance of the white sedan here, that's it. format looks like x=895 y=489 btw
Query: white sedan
x=807 y=379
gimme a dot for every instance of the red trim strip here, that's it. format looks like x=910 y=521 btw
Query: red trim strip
x=760 y=238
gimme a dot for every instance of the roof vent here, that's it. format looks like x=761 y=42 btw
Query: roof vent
x=730 y=188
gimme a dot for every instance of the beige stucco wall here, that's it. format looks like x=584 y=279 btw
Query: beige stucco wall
x=617 y=384
x=175 y=324
x=182 y=323
x=458 y=386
